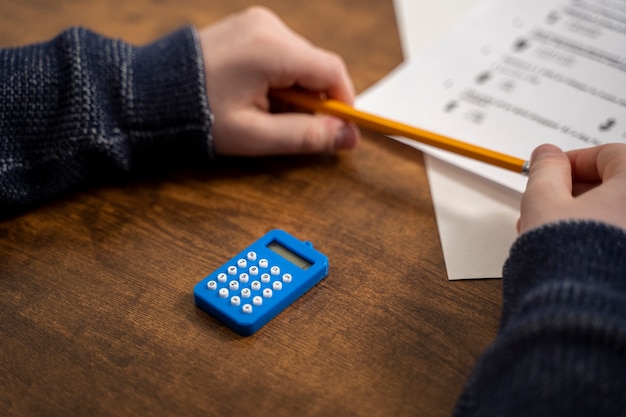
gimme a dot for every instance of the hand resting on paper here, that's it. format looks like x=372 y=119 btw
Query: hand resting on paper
x=585 y=184
x=560 y=346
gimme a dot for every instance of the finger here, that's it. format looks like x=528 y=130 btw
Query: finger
x=291 y=133
x=549 y=187
x=550 y=174
x=313 y=69
x=598 y=163
x=331 y=77
x=585 y=164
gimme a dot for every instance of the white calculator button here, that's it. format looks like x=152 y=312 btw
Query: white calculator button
x=254 y=270
x=232 y=270
x=274 y=270
x=277 y=285
x=242 y=263
x=265 y=278
x=222 y=277
x=256 y=285
x=233 y=285
x=223 y=293
x=251 y=256
x=263 y=263
x=247 y=308
x=211 y=285
x=287 y=278
x=244 y=277
x=267 y=293
x=257 y=301
x=245 y=293
x=235 y=301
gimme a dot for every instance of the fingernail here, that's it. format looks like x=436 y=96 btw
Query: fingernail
x=345 y=137
x=546 y=149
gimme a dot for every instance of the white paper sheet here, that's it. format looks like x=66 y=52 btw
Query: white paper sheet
x=513 y=75
x=475 y=217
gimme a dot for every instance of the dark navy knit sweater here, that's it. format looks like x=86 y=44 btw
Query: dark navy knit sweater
x=561 y=346
x=83 y=107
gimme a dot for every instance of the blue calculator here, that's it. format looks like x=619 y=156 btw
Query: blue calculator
x=261 y=281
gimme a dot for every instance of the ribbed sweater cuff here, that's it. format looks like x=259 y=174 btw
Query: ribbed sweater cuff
x=562 y=258
x=167 y=111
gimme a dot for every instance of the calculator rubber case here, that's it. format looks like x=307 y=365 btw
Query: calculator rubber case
x=261 y=281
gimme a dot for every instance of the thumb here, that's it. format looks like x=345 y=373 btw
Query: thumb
x=305 y=133
x=549 y=184
x=550 y=173
x=296 y=133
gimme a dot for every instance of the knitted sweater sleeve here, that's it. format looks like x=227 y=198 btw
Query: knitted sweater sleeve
x=561 y=346
x=83 y=108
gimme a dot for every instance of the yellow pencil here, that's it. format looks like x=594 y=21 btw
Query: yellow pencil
x=339 y=109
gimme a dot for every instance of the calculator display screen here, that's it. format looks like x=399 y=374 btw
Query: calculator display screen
x=289 y=255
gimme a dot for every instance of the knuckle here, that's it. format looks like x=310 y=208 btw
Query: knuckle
x=258 y=12
x=314 y=138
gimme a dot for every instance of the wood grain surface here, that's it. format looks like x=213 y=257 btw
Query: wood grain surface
x=97 y=315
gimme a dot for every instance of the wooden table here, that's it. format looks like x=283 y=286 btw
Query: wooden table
x=97 y=315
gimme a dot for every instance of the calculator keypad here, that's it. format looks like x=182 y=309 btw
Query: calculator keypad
x=236 y=285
